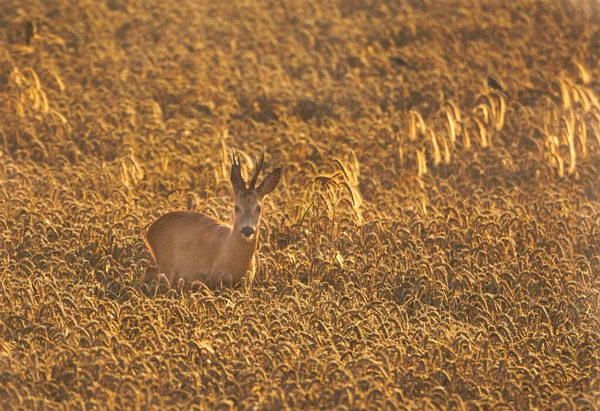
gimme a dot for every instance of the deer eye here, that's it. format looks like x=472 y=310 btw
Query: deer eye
x=237 y=209
x=258 y=208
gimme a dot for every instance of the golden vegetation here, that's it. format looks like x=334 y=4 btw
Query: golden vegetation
x=434 y=242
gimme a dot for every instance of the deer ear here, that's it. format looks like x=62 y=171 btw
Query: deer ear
x=269 y=183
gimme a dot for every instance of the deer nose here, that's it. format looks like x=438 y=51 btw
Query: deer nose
x=247 y=231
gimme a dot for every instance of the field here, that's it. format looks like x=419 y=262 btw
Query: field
x=434 y=242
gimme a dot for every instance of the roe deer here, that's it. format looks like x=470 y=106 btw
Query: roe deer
x=200 y=248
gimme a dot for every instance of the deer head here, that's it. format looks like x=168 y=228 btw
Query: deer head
x=248 y=200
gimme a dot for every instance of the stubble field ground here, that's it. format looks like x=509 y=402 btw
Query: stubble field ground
x=434 y=241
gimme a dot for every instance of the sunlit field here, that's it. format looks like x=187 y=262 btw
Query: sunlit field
x=434 y=241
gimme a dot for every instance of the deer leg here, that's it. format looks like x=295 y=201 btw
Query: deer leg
x=174 y=279
x=151 y=274
x=220 y=280
x=247 y=280
x=154 y=274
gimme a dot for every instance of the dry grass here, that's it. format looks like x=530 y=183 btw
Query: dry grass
x=434 y=243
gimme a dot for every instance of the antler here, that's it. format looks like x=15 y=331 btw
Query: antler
x=236 y=171
x=259 y=166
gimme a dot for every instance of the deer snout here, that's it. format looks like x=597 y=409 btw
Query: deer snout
x=247 y=231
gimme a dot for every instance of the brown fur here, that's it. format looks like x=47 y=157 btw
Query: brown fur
x=196 y=247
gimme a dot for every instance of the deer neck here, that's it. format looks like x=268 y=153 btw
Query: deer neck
x=244 y=248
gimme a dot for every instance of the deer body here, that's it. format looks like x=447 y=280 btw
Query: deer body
x=200 y=248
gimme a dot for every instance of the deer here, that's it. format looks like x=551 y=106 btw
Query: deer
x=196 y=247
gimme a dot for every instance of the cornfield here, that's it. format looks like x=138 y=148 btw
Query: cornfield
x=434 y=242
